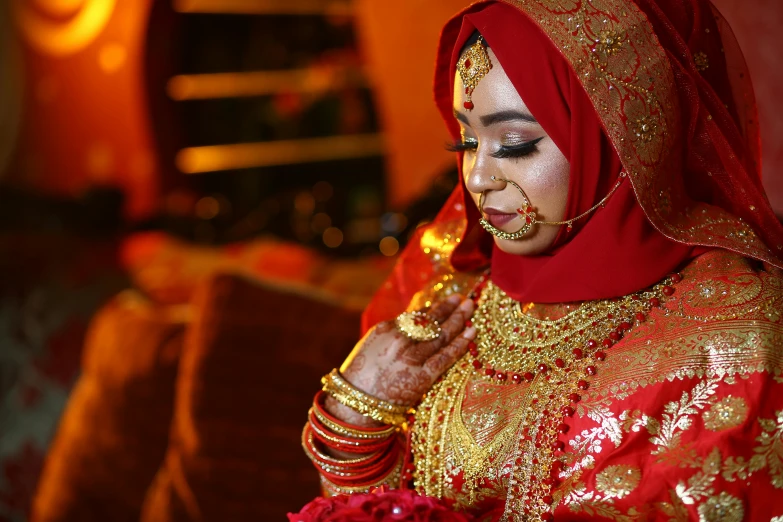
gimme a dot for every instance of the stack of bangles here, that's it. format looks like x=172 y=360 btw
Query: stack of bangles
x=373 y=456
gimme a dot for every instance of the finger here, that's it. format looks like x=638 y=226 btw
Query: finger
x=445 y=358
x=450 y=328
x=443 y=309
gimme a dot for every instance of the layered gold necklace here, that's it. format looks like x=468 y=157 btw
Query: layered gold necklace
x=552 y=361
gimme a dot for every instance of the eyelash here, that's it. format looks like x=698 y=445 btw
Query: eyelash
x=517 y=151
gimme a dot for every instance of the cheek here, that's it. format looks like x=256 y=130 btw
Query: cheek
x=544 y=177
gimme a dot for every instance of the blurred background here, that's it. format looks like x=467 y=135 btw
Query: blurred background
x=189 y=189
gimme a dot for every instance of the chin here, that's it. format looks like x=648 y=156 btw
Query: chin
x=527 y=246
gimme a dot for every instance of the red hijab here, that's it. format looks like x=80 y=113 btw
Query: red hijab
x=655 y=222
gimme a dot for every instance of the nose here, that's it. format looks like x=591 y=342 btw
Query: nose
x=480 y=176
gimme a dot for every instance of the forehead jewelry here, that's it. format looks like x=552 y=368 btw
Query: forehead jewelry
x=473 y=65
x=527 y=212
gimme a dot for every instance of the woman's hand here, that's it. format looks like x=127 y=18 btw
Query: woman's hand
x=389 y=366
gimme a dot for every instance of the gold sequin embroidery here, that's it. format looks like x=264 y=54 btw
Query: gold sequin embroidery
x=702 y=62
x=721 y=508
x=725 y=414
x=618 y=481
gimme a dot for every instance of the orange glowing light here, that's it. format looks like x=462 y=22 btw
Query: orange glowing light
x=267 y=7
x=213 y=158
x=112 y=57
x=389 y=246
x=43 y=26
x=262 y=83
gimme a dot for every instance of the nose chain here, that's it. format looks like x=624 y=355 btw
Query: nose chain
x=529 y=214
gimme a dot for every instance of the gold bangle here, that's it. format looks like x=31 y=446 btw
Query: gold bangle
x=376 y=409
x=347 y=431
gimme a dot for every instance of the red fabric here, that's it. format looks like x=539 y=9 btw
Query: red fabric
x=616 y=250
x=613 y=251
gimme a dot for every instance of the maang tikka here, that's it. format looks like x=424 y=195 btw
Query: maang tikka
x=473 y=65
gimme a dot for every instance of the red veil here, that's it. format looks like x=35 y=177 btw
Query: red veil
x=657 y=88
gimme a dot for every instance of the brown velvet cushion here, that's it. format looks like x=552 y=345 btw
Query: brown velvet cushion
x=250 y=367
x=114 y=432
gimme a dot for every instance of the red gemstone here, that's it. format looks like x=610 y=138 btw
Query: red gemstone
x=477 y=364
x=640 y=316
x=547 y=517
x=592 y=343
x=543 y=368
x=574 y=397
x=563 y=428
x=610 y=316
x=600 y=355
x=529 y=209
x=560 y=363
x=654 y=301
x=591 y=370
x=501 y=376
x=468 y=63
x=511 y=347
x=558 y=446
x=468 y=105
x=607 y=343
x=667 y=290
x=582 y=384
x=614 y=336
x=676 y=278
x=548 y=499
x=489 y=372
x=468 y=323
x=471 y=345
x=529 y=376
x=516 y=378
x=474 y=353
x=625 y=325
x=567 y=411
x=528 y=219
x=578 y=353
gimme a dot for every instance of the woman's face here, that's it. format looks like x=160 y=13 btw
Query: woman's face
x=501 y=138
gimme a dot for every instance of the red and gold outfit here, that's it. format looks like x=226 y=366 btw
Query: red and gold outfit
x=634 y=371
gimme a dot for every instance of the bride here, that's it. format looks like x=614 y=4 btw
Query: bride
x=593 y=325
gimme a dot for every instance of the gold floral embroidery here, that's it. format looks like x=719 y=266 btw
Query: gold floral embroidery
x=725 y=414
x=594 y=504
x=721 y=508
x=618 y=481
x=677 y=418
x=609 y=42
x=700 y=484
x=702 y=62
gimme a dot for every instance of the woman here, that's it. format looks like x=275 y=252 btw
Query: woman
x=618 y=349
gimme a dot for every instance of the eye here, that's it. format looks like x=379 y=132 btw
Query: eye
x=466 y=144
x=517 y=151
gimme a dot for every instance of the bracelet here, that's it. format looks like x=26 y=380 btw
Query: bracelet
x=347 y=445
x=347 y=430
x=376 y=409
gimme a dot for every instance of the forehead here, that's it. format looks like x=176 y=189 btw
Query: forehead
x=494 y=92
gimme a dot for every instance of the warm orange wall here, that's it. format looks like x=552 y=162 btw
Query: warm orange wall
x=399 y=40
x=85 y=117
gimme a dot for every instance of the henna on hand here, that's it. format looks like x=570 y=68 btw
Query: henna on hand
x=402 y=386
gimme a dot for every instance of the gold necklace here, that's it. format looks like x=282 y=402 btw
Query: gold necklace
x=555 y=358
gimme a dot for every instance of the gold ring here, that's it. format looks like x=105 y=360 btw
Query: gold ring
x=418 y=326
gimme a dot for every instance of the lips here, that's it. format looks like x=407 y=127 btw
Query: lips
x=498 y=218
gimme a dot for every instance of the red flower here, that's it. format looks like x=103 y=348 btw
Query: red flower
x=394 y=505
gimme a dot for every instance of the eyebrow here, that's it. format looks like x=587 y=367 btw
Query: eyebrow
x=498 y=117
